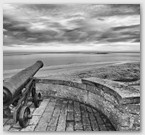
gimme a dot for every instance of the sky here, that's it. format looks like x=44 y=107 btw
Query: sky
x=71 y=27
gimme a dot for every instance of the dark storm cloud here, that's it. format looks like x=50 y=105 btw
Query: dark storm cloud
x=122 y=33
x=129 y=8
x=117 y=10
x=137 y=27
x=70 y=23
x=18 y=30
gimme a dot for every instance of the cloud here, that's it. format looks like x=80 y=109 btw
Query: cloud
x=122 y=33
x=36 y=24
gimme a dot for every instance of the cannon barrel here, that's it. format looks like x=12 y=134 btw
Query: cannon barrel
x=15 y=84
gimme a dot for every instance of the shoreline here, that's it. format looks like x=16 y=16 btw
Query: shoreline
x=29 y=53
x=69 y=72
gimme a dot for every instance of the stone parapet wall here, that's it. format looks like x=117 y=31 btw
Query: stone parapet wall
x=124 y=112
x=119 y=102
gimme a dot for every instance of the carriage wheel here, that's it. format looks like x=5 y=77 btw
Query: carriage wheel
x=24 y=116
x=37 y=99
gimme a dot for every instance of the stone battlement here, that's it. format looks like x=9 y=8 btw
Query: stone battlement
x=119 y=102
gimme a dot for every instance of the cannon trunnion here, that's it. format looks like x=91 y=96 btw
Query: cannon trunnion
x=18 y=91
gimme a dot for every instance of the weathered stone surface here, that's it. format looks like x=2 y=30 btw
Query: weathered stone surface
x=6 y=127
x=87 y=128
x=32 y=124
x=70 y=106
x=5 y=120
x=61 y=82
x=131 y=108
x=8 y=124
x=51 y=128
x=70 y=126
x=77 y=108
x=121 y=90
x=62 y=119
x=15 y=127
x=59 y=115
x=78 y=125
x=41 y=109
x=70 y=116
x=94 y=123
x=77 y=117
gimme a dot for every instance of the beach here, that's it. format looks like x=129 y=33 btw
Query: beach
x=75 y=72
x=70 y=66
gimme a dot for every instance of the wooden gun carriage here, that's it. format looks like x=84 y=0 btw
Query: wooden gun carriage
x=18 y=91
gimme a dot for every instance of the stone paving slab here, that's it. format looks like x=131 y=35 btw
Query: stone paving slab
x=55 y=114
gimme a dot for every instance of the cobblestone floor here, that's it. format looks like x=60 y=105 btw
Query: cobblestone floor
x=55 y=114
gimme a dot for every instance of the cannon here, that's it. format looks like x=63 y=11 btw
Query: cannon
x=18 y=91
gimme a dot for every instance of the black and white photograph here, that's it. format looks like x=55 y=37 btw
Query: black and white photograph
x=71 y=67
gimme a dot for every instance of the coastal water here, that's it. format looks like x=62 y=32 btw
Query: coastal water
x=12 y=61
